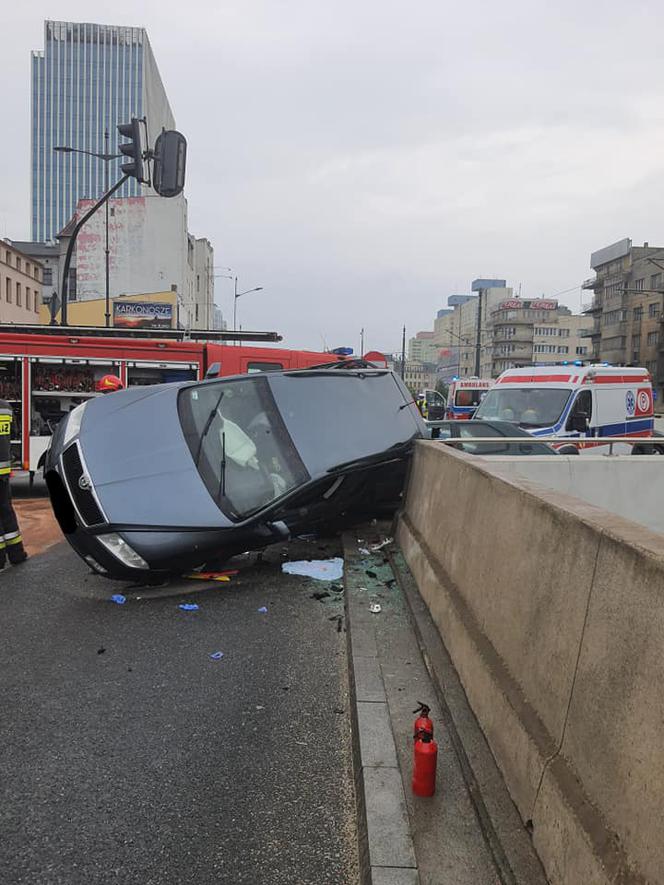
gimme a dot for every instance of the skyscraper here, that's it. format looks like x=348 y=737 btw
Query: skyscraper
x=86 y=80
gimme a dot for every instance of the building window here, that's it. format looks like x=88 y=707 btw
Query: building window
x=564 y=333
x=653 y=309
x=18 y=295
x=651 y=366
x=18 y=264
x=27 y=299
x=28 y=269
x=581 y=351
x=656 y=281
x=47 y=276
x=8 y=290
x=36 y=273
x=639 y=285
x=636 y=342
x=563 y=350
x=653 y=338
x=8 y=258
x=638 y=314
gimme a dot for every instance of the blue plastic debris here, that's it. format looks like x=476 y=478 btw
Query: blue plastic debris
x=118 y=599
x=216 y=655
x=188 y=606
x=263 y=609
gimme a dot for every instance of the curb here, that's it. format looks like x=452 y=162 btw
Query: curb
x=387 y=855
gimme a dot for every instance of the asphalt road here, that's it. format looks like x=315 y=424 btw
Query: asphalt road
x=128 y=755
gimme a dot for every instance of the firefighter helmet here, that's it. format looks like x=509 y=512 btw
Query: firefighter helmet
x=109 y=384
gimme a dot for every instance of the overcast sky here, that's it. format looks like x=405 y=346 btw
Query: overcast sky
x=363 y=160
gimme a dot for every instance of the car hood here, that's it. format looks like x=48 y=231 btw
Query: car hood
x=139 y=462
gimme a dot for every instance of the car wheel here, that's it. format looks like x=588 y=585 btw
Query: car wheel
x=568 y=450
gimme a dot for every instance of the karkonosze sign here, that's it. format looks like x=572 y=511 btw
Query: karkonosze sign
x=143 y=314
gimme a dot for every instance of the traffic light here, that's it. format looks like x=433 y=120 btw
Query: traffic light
x=170 y=158
x=132 y=149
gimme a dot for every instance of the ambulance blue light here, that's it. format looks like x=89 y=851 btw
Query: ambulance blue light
x=578 y=362
x=565 y=363
x=606 y=364
x=455 y=378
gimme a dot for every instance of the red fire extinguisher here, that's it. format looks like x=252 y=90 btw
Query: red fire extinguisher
x=422 y=723
x=424 y=765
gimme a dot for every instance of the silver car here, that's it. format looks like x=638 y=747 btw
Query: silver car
x=154 y=481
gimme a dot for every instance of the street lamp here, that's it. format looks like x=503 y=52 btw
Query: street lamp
x=106 y=157
x=239 y=295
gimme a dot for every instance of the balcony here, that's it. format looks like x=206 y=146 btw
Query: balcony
x=524 y=336
x=587 y=333
x=590 y=283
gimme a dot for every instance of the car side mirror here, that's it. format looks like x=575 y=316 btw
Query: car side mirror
x=579 y=423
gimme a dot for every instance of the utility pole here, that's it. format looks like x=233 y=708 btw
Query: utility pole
x=106 y=252
x=403 y=353
x=479 y=333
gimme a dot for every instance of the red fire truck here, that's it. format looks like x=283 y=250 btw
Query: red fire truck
x=45 y=371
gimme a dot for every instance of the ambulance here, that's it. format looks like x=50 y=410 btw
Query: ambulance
x=578 y=404
x=464 y=396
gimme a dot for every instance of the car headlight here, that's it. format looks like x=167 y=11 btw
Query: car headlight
x=122 y=551
x=73 y=423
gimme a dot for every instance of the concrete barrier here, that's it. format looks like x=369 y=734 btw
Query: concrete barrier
x=553 y=612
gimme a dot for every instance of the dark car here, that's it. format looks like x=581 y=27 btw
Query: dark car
x=153 y=481
x=475 y=429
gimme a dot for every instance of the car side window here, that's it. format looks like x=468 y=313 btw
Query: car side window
x=582 y=408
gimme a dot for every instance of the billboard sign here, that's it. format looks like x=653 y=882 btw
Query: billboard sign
x=543 y=304
x=143 y=314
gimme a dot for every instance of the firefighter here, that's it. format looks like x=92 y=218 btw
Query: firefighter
x=11 y=542
x=422 y=405
x=109 y=384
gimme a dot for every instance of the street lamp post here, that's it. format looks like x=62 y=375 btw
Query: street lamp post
x=239 y=295
x=106 y=157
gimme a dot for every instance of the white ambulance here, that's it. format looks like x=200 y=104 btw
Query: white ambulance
x=578 y=404
x=464 y=396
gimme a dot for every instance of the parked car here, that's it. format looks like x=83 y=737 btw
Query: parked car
x=477 y=429
x=153 y=481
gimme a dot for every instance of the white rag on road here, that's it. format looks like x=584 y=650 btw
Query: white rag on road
x=320 y=569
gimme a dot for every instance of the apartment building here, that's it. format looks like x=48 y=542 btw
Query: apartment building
x=422 y=348
x=625 y=316
x=457 y=331
x=20 y=286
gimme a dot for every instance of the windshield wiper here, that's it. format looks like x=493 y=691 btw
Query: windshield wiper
x=206 y=429
x=222 y=477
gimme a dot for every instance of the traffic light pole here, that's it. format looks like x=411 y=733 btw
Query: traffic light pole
x=72 y=243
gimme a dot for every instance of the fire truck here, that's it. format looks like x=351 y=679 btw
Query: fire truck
x=46 y=371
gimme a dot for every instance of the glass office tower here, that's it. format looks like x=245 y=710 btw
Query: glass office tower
x=86 y=80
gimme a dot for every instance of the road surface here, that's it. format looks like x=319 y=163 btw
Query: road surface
x=129 y=755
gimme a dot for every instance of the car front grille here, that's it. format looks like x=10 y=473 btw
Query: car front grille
x=84 y=498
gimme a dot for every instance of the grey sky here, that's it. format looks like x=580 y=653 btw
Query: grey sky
x=363 y=160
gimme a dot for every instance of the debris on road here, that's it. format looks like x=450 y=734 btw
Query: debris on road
x=188 y=606
x=263 y=609
x=118 y=599
x=376 y=547
x=319 y=569
x=216 y=655
x=375 y=608
x=222 y=577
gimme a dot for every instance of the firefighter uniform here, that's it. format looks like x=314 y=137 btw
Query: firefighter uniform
x=11 y=542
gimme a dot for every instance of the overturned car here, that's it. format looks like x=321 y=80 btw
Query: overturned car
x=152 y=481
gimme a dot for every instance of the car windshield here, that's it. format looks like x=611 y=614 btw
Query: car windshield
x=469 y=397
x=239 y=443
x=525 y=406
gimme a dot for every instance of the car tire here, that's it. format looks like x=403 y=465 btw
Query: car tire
x=568 y=450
